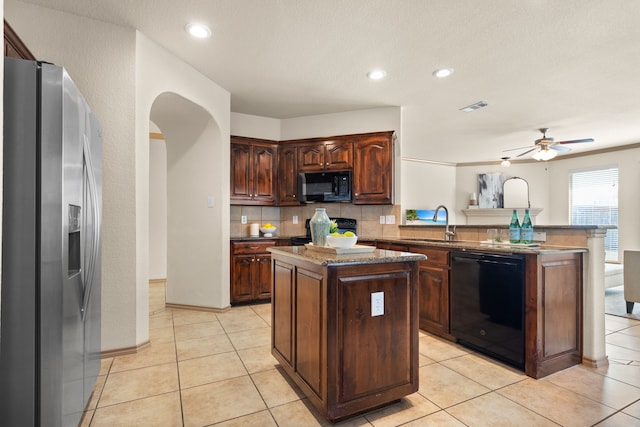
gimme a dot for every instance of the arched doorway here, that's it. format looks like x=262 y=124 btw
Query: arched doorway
x=193 y=203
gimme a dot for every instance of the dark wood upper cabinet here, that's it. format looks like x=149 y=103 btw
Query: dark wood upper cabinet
x=373 y=169
x=288 y=175
x=13 y=46
x=325 y=155
x=253 y=171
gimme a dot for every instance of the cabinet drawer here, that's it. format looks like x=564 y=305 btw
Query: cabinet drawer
x=253 y=247
x=434 y=256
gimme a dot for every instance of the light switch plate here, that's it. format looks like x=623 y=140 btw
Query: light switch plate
x=295 y=219
x=243 y=219
x=377 y=304
x=390 y=219
x=210 y=201
x=382 y=219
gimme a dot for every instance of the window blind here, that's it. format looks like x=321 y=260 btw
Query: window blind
x=594 y=201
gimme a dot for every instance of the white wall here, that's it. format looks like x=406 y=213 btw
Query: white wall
x=255 y=126
x=121 y=73
x=100 y=58
x=157 y=206
x=159 y=74
x=536 y=174
x=426 y=185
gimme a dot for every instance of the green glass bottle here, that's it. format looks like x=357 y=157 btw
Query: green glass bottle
x=514 y=228
x=526 y=230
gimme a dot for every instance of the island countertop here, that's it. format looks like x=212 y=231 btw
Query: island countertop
x=378 y=256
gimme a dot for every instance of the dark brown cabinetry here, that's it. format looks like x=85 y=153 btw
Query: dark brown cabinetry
x=253 y=171
x=325 y=155
x=250 y=271
x=344 y=359
x=433 y=290
x=13 y=46
x=553 y=313
x=373 y=169
x=553 y=304
x=288 y=175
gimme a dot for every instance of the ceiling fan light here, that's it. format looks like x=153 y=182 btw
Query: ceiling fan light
x=505 y=162
x=545 y=154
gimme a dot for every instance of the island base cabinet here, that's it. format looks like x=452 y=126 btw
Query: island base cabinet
x=553 y=313
x=326 y=337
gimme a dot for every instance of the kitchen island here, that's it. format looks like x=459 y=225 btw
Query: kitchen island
x=345 y=327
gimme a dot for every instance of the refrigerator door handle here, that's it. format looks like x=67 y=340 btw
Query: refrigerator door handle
x=95 y=238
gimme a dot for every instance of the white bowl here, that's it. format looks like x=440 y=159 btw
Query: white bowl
x=341 y=242
x=268 y=232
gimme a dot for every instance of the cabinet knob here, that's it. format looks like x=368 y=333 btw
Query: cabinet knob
x=294 y=195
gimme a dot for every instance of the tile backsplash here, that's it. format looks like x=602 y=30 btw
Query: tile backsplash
x=367 y=216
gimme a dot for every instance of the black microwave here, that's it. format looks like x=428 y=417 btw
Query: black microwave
x=324 y=186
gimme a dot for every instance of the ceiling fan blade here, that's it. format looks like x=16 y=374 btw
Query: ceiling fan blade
x=527 y=152
x=519 y=148
x=575 y=141
x=560 y=148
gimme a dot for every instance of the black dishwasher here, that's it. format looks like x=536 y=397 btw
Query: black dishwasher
x=487 y=304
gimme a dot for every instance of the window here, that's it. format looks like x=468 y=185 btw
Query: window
x=594 y=201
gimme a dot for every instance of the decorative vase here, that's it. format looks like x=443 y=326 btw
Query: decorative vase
x=320 y=225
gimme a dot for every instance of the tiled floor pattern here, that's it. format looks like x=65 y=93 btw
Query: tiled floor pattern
x=216 y=369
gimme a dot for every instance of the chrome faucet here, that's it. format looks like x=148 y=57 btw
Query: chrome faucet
x=448 y=235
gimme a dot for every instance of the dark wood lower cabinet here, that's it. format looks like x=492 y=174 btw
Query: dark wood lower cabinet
x=434 y=291
x=553 y=304
x=553 y=313
x=345 y=360
x=250 y=271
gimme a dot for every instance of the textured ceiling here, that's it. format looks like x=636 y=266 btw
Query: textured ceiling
x=569 y=65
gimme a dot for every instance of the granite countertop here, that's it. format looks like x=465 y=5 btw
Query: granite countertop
x=466 y=245
x=378 y=256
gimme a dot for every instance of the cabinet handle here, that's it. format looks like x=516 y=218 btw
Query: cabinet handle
x=254 y=247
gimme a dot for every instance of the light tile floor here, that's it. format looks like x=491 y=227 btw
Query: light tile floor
x=216 y=369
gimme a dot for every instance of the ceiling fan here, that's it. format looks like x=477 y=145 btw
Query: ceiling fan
x=547 y=148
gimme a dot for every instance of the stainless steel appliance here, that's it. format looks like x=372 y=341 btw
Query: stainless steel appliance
x=487 y=304
x=324 y=186
x=51 y=252
x=344 y=224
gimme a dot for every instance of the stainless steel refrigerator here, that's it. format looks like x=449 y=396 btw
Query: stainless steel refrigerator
x=51 y=251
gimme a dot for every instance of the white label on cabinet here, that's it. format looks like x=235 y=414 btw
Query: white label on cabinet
x=377 y=304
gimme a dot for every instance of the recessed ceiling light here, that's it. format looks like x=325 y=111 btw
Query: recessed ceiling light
x=443 y=72
x=198 y=31
x=376 y=74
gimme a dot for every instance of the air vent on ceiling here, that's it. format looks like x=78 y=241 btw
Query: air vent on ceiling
x=473 y=107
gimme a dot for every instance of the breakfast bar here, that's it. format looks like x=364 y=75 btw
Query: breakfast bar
x=345 y=326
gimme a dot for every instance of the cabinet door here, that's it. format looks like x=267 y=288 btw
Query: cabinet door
x=311 y=157
x=282 y=311
x=264 y=174
x=262 y=277
x=241 y=177
x=287 y=176
x=373 y=170
x=309 y=322
x=241 y=281
x=338 y=155
x=433 y=294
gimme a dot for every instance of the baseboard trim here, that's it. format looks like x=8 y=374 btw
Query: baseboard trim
x=595 y=363
x=157 y=281
x=197 y=307
x=124 y=351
